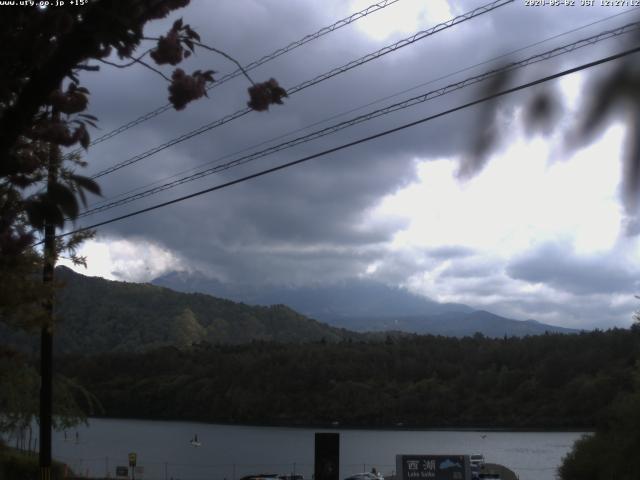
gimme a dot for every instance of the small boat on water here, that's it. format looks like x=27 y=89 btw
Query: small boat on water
x=195 y=442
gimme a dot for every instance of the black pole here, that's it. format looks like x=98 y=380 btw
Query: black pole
x=46 y=356
x=327 y=456
x=46 y=333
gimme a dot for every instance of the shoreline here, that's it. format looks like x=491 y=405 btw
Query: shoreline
x=339 y=426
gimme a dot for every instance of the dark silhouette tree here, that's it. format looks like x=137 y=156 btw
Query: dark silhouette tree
x=42 y=110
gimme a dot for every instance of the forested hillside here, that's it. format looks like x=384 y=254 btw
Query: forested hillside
x=548 y=381
x=97 y=315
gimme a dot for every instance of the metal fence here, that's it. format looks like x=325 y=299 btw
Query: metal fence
x=106 y=467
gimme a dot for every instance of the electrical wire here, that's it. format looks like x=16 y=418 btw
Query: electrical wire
x=359 y=141
x=632 y=27
x=250 y=66
x=352 y=110
x=314 y=81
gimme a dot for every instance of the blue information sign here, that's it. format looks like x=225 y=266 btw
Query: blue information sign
x=433 y=467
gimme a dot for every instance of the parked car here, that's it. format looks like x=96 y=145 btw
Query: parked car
x=366 y=476
x=272 y=476
x=261 y=476
x=476 y=459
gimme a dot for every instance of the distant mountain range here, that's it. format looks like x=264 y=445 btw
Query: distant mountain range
x=97 y=315
x=327 y=303
x=454 y=324
x=365 y=306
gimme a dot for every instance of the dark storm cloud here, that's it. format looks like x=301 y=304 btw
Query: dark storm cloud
x=310 y=221
x=557 y=266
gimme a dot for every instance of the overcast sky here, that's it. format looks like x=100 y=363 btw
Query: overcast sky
x=540 y=232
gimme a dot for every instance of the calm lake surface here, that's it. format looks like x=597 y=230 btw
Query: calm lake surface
x=229 y=452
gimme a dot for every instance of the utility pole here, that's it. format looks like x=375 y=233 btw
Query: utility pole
x=46 y=333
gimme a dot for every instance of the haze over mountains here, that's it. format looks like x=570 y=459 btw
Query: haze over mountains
x=364 y=305
x=97 y=315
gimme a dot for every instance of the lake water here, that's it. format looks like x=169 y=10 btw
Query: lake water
x=229 y=452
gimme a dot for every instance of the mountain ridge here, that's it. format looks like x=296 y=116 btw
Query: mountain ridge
x=97 y=315
x=366 y=305
x=455 y=324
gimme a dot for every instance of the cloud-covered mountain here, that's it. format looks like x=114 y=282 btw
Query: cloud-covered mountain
x=326 y=302
x=339 y=215
x=364 y=305
x=96 y=315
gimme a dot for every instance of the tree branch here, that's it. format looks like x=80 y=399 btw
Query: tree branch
x=73 y=48
x=135 y=60
x=228 y=57
x=89 y=68
x=132 y=62
x=212 y=49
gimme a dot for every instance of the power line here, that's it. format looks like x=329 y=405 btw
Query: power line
x=250 y=66
x=314 y=81
x=352 y=110
x=359 y=141
x=371 y=115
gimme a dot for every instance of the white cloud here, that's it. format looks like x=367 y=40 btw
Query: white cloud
x=521 y=202
x=135 y=260
x=404 y=17
x=450 y=240
x=518 y=201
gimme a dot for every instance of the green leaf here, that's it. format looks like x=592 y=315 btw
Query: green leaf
x=85 y=139
x=86 y=183
x=192 y=33
x=62 y=196
x=83 y=197
x=41 y=210
x=35 y=213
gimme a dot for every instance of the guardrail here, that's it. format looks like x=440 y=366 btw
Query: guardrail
x=99 y=468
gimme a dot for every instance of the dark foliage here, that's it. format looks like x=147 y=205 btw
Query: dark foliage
x=548 y=381
x=16 y=465
x=43 y=53
x=266 y=93
x=610 y=452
